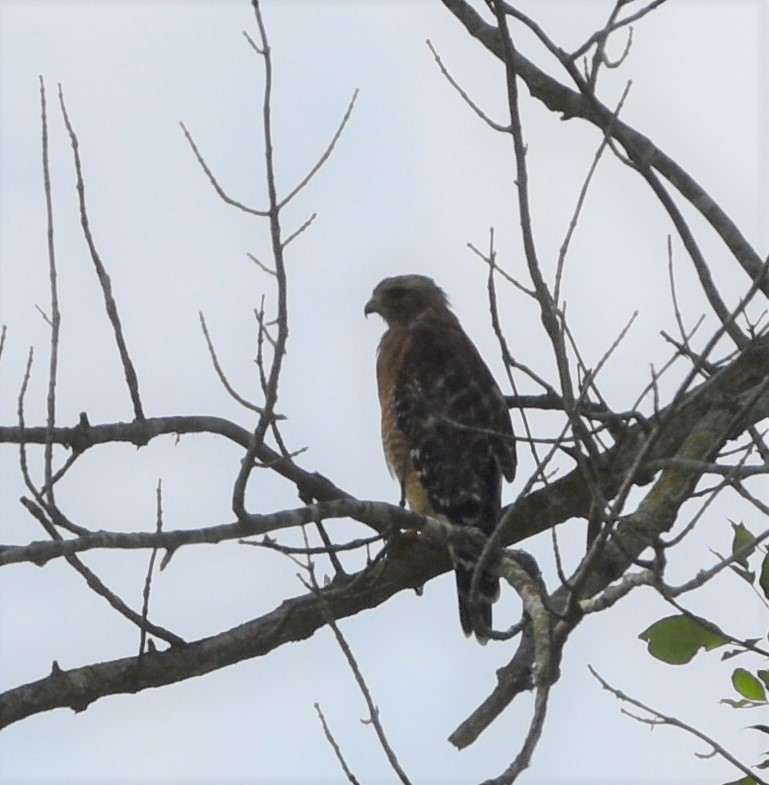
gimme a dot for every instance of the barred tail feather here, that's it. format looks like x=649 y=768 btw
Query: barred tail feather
x=488 y=593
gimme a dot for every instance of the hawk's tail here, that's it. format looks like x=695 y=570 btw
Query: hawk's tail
x=476 y=620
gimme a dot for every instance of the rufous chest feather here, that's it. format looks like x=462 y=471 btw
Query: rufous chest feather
x=392 y=350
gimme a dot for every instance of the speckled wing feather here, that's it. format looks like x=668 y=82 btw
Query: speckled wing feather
x=460 y=439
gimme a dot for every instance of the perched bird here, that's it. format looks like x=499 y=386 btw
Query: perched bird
x=446 y=428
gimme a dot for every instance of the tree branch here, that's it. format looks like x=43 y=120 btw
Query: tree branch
x=572 y=104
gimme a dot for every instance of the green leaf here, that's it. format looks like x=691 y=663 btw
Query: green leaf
x=676 y=639
x=762 y=728
x=748 y=685
x=763 y=581
x=764 y=676
x=743 y=781
x=742 y=538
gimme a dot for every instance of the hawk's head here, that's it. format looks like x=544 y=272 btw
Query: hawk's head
x=402 y=299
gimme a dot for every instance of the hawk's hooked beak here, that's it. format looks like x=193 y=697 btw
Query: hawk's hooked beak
x=372 y=306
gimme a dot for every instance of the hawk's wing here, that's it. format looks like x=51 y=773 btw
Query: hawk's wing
x=456 y=427
x=456 y=424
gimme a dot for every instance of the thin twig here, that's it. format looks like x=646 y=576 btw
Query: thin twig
x=335 y=747
x=260 y=265
x=101 y=272
x=502 y=272
x=747 y=645
x=373 y=719
x=39 y=510
x=465 y=97
x=379 y=516
x=84 y=436
x=271 y=386
x=215 y=183
x=55 y=320
x=581 y=199
x=700 y=265
x=552 y=321
x=599 y=55
x=673 y=294
x=330 y=549
x=220 y=372
x=323 y=158
x=98 y=586
x=327 y=549
x=593 y=39
x=663 y=719
x=523 y=758
x=709 y=467
x=299 y=231
x=48 y=434
x=151 y=567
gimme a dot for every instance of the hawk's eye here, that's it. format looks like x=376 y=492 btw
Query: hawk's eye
x=397 y=293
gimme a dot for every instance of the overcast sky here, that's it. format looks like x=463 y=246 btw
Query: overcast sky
x=415 y=178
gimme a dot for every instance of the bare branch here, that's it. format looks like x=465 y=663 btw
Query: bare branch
x=709 y=467
x=294 y=619
x=617 y=591
x=324 y=157
x=55 y=320
x=465 y=97
x=101 y=272
x=581 y=200
x=335 y=747
x=214 y=182
x=380 y=516
x=610 y=556
x=662 y=719
x=299 y=231
x=151 y=567
x=711 y=407
x=703 y=576
x=523 y=759
x=327 y=549
x=693 y=249
x=261 y=266
x=273 y=212
x=571 y=104
x=220 y=373
x=97 y=585
x=84 y=436
x=373 y=710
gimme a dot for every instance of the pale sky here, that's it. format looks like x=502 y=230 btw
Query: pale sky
x=415 y=178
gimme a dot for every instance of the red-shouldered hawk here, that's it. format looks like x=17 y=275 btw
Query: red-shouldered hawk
x=446 y=428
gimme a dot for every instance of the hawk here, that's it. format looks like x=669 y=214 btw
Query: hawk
x=446 y=428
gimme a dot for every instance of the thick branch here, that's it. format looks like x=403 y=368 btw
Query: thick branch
x=293 y=620
x=140 y=432
x=695 y=429
x=380 y=516
x=570 y=103
x=704 y=419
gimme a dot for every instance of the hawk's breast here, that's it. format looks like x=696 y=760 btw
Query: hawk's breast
x=392 y=349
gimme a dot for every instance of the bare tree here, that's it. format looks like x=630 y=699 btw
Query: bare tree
x=642 y=479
